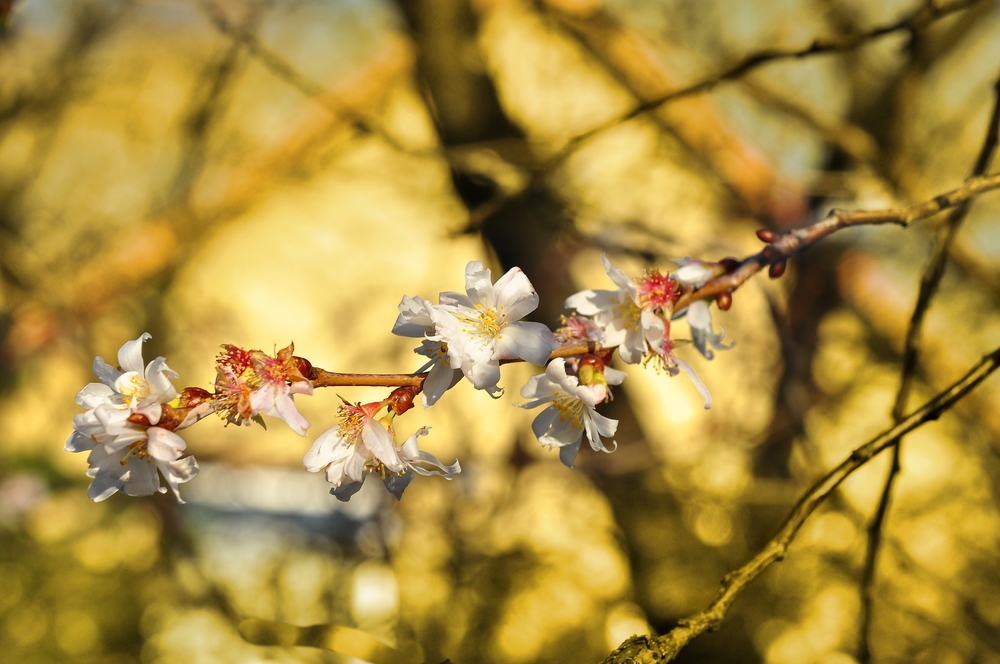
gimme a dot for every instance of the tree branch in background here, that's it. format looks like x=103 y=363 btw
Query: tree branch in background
x=929 y=283
x=648 y=650
x=914 y=22
x=288 y=73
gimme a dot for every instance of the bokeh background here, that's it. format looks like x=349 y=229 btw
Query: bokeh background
x=260 y=172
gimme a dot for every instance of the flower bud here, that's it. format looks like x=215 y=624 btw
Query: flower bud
x=724 y=300
x=767 y=235
x=776 y=270
x=401 y=399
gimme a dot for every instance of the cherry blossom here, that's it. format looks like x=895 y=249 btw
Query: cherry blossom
x=572 y=411
x=484 y=326
x=127 y=451
x=359 y=445
x=695 y=274
x=415 y=320
x=250 y=383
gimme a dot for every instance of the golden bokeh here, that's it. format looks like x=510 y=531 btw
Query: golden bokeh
x=259 y=173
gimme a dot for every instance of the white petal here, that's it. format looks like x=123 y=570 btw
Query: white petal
x=692 y=272
x=553 y=431
x=567 y=454
x=158 y=376
x=143 y=480
x=414 y=320
x=591 y=302
x=345 y=491
x=178 y=472
x=479 y=285
x=378 y=439
x=77 y=442
x=164 y=445
x=483 y=375
x=326 y=449
x=686 y=368
x=618 y=275
x=532 y=342
x=699 y=315
x=130 y=354
x=284 y=407
x=516 y=297
x=93 y=395
x=396 y=484
x=614 y=376
x=106 y=373
x=440 y=379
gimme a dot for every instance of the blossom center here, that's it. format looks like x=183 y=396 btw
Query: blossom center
x=570 y=409
x=139 y=449
x=628 y=313
x=657 y=291
x=486 y=321
x=132 y=389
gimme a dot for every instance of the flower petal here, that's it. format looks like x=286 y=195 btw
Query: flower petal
x=702 y=390
x=130 y=354
x=414 y=318
x=345 y=491
x=440 y=379
x=532 y=342
x=396 y=484
x=378 y=439
x=567 y=454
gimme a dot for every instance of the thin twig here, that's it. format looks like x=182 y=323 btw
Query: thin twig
x=288 y=73
x=324 y=378
x=929 y=283
x=787 y=244
x=647 y=650
x=914 y=22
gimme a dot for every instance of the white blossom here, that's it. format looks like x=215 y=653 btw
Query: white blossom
x=624 y=321
x=695 y=273
x=572 y=411
x=484 y=326
x=359 y=445
x=415 y=320
x=128 y=452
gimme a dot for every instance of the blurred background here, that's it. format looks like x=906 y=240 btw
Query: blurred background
x=260 y=172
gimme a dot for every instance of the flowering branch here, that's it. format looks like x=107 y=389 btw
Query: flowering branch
x=647 y=650
x=928 y=287
x=324 y=378
x=781 y=247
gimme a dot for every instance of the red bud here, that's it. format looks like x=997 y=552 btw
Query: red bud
x=141 y=420
x=305 y=367
x=401 y=399
x=776 y=270
x=592 y=360
x=767 y=235
x=724 y=300
x=192 y=396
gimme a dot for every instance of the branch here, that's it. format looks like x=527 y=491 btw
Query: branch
x=915 y=22
x=288 y=73
x=776 y=253
x=929 y=283
x=783 y=246
x=647 y=650
x=324 y=378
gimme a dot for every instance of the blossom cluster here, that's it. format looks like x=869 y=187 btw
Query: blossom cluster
x=133 y=414
x=122 y=427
